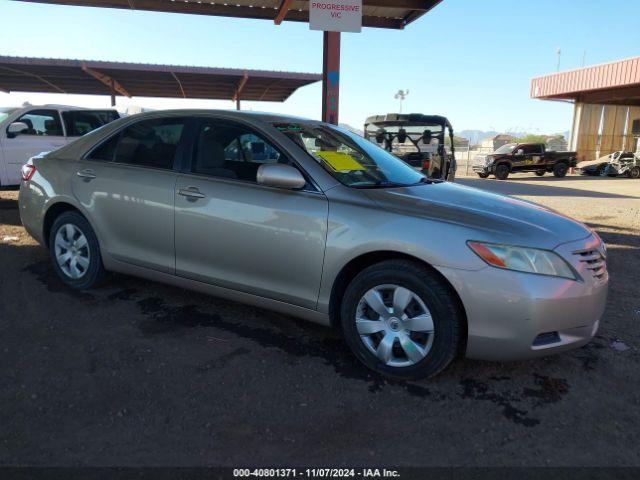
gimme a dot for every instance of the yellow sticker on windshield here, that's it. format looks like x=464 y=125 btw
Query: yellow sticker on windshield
x=340 y=162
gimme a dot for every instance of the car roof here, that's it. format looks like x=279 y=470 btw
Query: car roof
x=260 y=116
x=60 y=107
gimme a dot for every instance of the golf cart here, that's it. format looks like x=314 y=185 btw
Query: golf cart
x=417 y=139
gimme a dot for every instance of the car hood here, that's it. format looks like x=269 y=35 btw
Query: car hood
x=488 y=216
x=592 y=163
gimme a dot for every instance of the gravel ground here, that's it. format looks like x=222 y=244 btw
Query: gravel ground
x=138 y=373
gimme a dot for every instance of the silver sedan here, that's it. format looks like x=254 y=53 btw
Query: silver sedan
x=314 y=221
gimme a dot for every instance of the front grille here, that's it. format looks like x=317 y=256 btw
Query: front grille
x=594 y=261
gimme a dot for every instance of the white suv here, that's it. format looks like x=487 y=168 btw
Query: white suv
x=27 y=131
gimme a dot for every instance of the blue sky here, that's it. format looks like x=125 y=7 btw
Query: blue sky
x=469 y=60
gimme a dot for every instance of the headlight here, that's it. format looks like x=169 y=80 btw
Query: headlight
x=522 y=259
x=488 y=160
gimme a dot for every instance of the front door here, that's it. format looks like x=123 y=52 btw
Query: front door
x=43 y=134
x=127 y=183
x=234 y=233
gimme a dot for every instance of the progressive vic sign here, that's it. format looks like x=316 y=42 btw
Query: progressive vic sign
x=336 y=15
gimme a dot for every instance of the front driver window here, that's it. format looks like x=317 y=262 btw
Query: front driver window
x=42 y=122
x=232 y=151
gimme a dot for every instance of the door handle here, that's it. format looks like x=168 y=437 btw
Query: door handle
x=88 y=174
x=191 y=193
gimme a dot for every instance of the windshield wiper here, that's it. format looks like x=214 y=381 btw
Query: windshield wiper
x=382 y=184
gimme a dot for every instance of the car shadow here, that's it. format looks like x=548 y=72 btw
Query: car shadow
x=511 y=187
x=9 y=214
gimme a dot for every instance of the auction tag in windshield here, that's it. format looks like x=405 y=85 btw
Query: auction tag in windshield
x=340 y=162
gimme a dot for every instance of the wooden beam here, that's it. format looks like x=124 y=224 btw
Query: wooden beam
x=112 y=83
x=282 y=11
x=29 y=74
x=175 y=77
x=240 y=87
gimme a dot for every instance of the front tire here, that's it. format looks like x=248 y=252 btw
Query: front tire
x=402 y=320
x=560 y=169
x=483 y=175
x=75 y=252
x=502 y=171
x=540 y=173
x=634 y=172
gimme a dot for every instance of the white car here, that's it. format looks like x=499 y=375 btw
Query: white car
x=27 y=131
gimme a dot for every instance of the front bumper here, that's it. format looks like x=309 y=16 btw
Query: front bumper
x=515 y=316
x=482 y=168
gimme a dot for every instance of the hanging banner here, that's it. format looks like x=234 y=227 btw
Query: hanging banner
x=336 y=15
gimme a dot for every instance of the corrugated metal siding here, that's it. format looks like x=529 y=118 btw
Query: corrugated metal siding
x=611 y=75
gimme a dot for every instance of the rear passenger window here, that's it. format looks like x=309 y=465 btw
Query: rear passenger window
x=232 y=151
x=150 y=143
x=531 y=149
x=81 y=122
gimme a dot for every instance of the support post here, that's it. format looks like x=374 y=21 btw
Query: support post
x=113 y=94
x=239 y=89
x=331 y=77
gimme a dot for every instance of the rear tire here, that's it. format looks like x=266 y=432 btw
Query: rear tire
x=540 y=173
x=401 y=342
x=634 y=173
x=75 y=252
x=560 y=169
x=483 y=175
x=502 y=171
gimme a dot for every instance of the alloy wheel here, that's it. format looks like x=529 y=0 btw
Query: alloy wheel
x=395 y=325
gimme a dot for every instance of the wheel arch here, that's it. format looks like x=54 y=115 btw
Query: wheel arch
x=54 y=211
x=359 y=263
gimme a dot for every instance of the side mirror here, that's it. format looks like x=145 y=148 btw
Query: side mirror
x=426 y=137
x=16 y=128
x=520 y=152
x=281 y=176
x=402 y=135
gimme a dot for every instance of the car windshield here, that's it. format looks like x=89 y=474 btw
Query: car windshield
x=508 y=148
x=352 y=160
x=5 y=112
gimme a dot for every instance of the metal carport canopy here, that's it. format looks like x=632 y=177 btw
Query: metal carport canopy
x=394 y=14
x=88 y=77
x=610 y=83
x=375 y=13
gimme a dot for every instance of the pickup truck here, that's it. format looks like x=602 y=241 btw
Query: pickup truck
x=523 y=157
x=27 y=131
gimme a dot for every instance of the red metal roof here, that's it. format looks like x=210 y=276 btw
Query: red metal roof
x=609 y=83
x=375 y=13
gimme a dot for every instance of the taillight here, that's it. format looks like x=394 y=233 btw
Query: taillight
x=426 y=164
x=27 y=171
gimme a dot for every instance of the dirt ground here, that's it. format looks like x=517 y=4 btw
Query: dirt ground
x=138 y=373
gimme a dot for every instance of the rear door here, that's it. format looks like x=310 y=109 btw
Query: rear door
x=44 y=133
x=536 y=155
x=127 y=184
x=233 y=232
